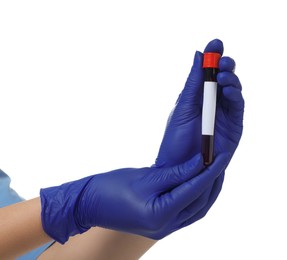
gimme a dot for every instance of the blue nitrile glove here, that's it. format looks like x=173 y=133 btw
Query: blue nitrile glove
x=182 y=138
x=152 y=202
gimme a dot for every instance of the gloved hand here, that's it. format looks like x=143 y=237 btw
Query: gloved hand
x=157 y=201
x=182 y=138
x=152 y=202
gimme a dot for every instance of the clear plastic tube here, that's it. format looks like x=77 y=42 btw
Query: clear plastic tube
x=210 y=67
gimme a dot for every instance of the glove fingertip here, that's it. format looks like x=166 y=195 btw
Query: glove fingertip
x=227 y=64
x=215 y=45
x=197 y=60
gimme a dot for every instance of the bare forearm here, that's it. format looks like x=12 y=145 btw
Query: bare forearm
x=21 y=229
x=102 y=244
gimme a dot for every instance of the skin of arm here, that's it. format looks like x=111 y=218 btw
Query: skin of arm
x=21 y=228
x=21 y=231
x=100 y=244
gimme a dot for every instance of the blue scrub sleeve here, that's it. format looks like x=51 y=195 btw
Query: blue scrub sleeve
x=7 y=197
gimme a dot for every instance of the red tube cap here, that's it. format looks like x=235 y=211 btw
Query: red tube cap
x=211 y=59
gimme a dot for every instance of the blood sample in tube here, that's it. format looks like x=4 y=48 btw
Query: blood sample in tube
x=210 y=67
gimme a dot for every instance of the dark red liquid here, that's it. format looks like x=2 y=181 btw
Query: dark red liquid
x=207 y=149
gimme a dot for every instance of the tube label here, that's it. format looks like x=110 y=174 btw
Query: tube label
x=208 y=107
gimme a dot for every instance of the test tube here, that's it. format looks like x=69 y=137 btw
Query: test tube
x=210 y=67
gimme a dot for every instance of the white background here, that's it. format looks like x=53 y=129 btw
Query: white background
x=87 y=86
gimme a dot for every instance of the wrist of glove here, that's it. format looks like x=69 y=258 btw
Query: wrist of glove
x=151 y=202
x=59 y=205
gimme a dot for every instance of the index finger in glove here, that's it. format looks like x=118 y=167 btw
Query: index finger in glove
x=215 y=45
x=194 y=81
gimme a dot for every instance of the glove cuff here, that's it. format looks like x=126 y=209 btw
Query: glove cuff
x=59 y=207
